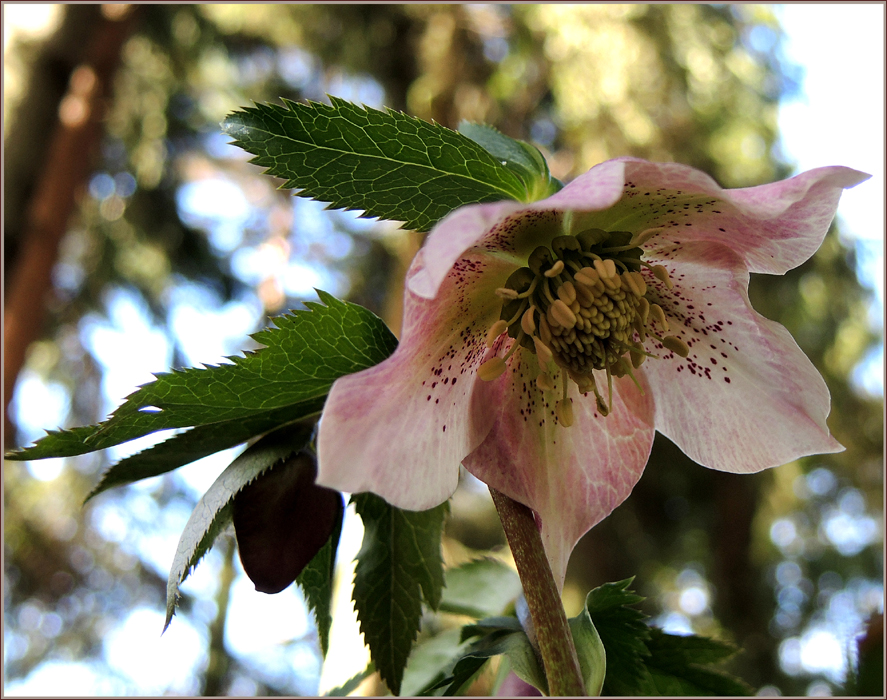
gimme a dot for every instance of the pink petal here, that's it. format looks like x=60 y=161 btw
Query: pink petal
x=572 y=477
x=400 y=429
x=797 y=214
x=773 y=228
x=454 y=235
x=746 y=398
x=598 y=189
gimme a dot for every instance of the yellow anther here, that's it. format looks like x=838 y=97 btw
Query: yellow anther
x=491 y=369
x=543 y=352
x=601 y=405
x=506 y=293
x=555 y=269
x=564 y=411
x=567 y=293
x=591 y=319
x=659 y=316
x=676 y=345
x=601 y=268
x=495 y=331
x=643 y=310
x=614 y=282
x=544 y=329
x=629 y=281
x=640 y=281
x=660 y=273
x=596 y=287
x=587 y=276
x=562 y=314
x=544 y=382
x=528 y=321
x=583 y=295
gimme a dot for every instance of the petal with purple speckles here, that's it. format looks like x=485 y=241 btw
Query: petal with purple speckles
x=773 y=228
x=572 y=477
x=401 y=429
x=746 y=398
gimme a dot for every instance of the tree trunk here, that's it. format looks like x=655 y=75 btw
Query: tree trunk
x=66 y=168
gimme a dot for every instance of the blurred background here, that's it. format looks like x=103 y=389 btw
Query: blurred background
x=137 y=239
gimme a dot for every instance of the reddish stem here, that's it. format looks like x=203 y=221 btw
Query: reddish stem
x=553 y=636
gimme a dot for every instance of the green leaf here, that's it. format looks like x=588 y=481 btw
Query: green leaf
x=431 y=660
x=590 y=650
x=491 y=625
x=387 y=164
x=682 y=665
x=463 y=672
x=480 y=588
x=189 y=446
x=399 y=564
x=500 y=636
x=623 y=633
x=316 y=582
x=213 y=512
x=306 y=352
x=520 y=157
x=643 y=661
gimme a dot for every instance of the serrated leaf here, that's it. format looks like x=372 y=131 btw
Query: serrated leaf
x=520 y=157
x=387 y=164
x=399 y=564
x=480 y=588
x=213 y=512
x=316 y=582
x=682 y=665
x=430 y=661
x=189 y=446
x=623 y=633
x=643 y=661
x=303 y=355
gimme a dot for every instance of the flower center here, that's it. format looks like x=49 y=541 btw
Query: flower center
x=579 y=306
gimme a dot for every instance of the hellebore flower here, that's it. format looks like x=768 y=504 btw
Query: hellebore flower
x=544 y=343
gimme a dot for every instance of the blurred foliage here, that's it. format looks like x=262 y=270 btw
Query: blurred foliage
x=765 y=556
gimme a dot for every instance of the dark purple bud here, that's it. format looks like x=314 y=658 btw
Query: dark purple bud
x=281 y=520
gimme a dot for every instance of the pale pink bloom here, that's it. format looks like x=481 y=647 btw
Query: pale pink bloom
x=729 y=387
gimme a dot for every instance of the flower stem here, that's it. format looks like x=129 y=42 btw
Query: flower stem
x=555 y=641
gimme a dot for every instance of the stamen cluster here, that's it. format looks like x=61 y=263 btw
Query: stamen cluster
x=581 y=305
